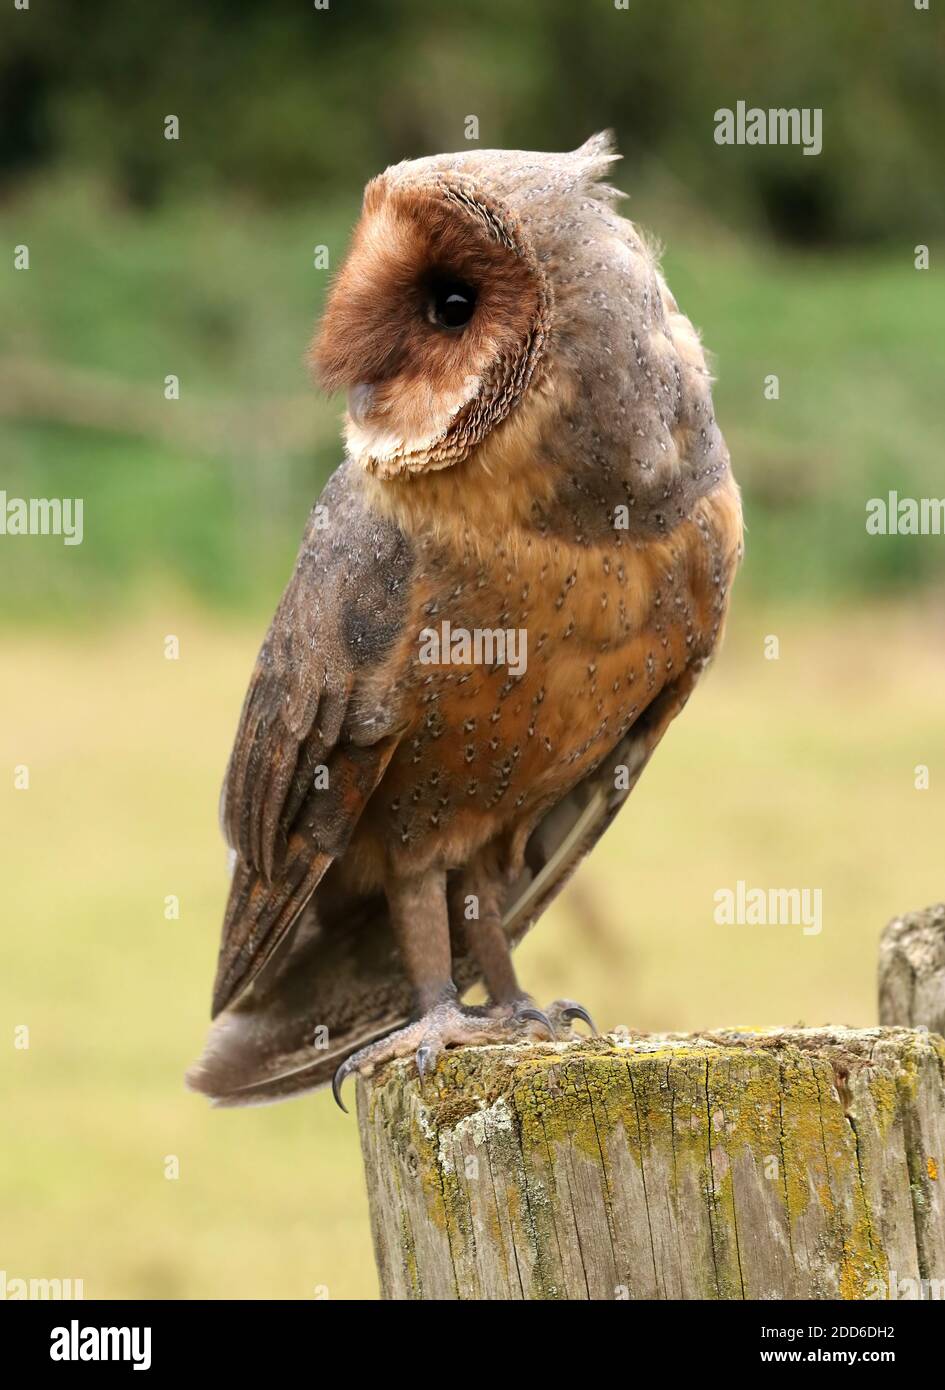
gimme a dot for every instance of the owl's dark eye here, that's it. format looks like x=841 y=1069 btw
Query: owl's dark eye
x=451 y=303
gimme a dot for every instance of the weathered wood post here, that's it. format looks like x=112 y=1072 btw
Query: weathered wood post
x=784 y=1164
x=912 y=970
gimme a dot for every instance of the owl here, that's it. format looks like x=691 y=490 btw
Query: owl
x=503 y=596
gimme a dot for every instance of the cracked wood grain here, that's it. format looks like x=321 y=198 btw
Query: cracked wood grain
x=804 y=1163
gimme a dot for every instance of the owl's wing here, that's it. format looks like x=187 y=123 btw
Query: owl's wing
x=313 y=742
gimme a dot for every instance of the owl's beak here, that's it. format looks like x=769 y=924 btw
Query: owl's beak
x=360 y=400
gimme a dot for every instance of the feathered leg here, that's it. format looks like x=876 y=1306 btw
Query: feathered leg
x=420 y=921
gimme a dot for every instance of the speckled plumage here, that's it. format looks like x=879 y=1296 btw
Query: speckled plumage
x=555 y=468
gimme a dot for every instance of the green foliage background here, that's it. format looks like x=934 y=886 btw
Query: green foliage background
x=194 y=257
x=283 y=100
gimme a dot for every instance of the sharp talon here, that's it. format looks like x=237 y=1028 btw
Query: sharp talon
x=424 y=1058
x=539 y=1017
x=337 y=1081
x=576 y=1011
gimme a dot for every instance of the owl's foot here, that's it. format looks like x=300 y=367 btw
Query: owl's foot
x=447 y=1024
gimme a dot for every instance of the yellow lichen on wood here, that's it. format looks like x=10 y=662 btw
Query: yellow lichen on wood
x=718 y=1166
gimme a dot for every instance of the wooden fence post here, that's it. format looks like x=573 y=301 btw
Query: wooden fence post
x=912 y=970
x=804 y=1163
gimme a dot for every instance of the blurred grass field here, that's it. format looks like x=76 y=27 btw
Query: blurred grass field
x=795 y=772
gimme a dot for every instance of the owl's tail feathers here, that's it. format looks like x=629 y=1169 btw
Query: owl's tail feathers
x=246 y=1062
x=333 y=985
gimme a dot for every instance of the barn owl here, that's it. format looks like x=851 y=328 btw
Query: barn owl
x=532 y=469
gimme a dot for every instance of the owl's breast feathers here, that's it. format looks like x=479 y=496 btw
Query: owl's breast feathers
x=607 y=584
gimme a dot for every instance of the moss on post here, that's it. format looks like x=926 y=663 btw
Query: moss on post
x=784 y=1164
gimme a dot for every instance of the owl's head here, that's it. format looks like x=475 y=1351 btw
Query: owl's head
x=443 y=314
